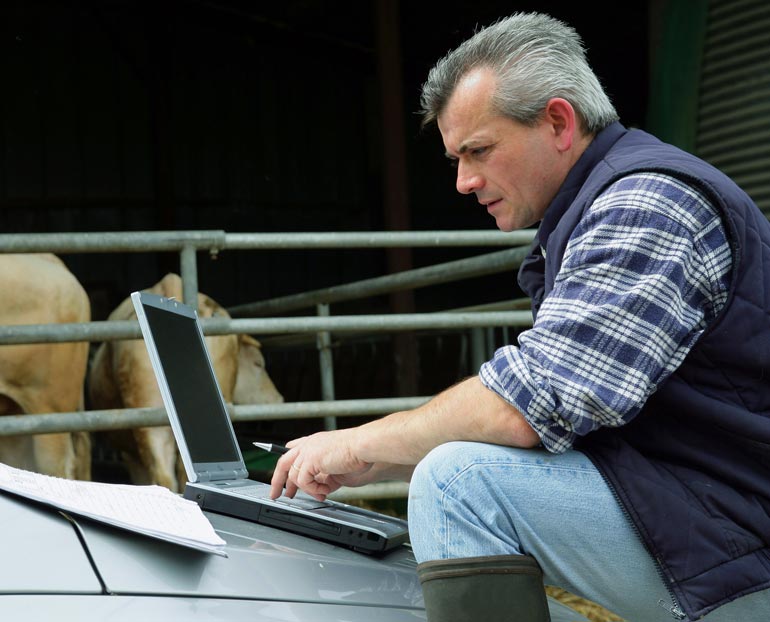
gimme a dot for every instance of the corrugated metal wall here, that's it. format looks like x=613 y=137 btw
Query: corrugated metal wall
x=734 y=111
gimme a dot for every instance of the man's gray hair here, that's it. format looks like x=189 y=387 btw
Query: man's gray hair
x=535 y=58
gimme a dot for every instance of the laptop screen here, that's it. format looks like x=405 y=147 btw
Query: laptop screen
x=193 y=386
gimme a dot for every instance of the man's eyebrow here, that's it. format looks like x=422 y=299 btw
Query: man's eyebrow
x=460 y=151
x=471 y=143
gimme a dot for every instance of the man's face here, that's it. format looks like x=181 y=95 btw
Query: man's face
x=513 y=169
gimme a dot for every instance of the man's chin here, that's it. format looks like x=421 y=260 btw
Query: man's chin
x=508 y=224
x=504 y=225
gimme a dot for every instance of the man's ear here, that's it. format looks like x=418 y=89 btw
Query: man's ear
x=562 y=121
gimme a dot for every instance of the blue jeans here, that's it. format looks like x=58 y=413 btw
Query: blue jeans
x=472 y=499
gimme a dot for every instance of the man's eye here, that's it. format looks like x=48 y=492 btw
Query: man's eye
x=478 y=151
x=453 y=162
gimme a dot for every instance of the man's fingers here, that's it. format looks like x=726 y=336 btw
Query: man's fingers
x=316 y=490
x=293 y=443
x=281 y=482
x=277 y=482
x=292 y=479
x=310 y=465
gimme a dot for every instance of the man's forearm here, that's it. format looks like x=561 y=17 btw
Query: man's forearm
x=466 y=411
x=389 y=448
x=383 y=471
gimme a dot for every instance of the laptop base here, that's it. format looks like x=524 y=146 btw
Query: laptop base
x=362 y=541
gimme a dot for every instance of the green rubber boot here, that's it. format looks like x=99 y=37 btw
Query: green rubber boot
x=504 y=587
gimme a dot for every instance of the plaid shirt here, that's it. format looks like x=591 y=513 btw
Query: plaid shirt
x=645 y=272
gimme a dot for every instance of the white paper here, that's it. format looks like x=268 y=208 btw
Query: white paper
x=151 y=510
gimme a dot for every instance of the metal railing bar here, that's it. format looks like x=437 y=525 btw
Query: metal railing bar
x=60 y=333
x=128 y=329
x=188 y=268
x=122 y=419
x=326 y=366
x=337 y=408
x=302 y=339
x=215 y=240
x=378 y=239
x=514 y=304
x=111 y=241
x=480 y=265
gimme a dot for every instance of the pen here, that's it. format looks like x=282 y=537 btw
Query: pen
x=272 y=448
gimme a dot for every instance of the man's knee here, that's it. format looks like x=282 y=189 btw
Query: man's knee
x=431 y=517
x=441 y=467
x=456 y=506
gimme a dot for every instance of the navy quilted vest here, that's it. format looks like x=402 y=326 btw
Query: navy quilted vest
x=692 y=469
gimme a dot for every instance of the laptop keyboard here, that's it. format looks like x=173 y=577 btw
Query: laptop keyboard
x=261 y=492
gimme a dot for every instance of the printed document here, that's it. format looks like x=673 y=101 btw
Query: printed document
x=154 y=511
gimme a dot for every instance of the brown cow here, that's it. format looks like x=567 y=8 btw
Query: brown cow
x=121 y=377
x=43 y=378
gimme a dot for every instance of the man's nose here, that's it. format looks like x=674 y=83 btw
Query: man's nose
x=468 y=180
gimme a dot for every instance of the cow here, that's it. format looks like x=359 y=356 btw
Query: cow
x=121 y=376
x=43 y=378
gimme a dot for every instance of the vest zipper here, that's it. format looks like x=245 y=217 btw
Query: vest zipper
x=674 y=609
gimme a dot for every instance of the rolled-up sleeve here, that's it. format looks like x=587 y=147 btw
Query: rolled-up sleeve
x=643 y=274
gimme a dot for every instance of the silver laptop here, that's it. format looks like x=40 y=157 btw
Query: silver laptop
x=217 y=476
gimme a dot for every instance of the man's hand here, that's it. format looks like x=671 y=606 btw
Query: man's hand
x=319 y=465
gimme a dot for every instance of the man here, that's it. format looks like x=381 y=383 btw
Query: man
x=624 y=444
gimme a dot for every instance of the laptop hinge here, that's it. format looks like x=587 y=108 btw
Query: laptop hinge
x=215 y=476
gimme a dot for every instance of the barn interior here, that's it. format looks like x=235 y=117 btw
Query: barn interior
x=294 y=116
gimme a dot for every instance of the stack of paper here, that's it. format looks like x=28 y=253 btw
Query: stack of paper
x=151 y=510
